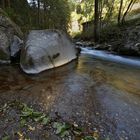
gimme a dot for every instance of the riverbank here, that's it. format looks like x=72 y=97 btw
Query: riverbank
x=123 y=40
x=88 y=93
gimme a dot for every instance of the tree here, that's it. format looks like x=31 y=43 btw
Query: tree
x=120 y=11
x=96 y=21
x=45 y=10
x=5 y=3
x=127 y=10
x=38 y=12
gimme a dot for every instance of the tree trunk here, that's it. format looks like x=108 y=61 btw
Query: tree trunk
x=120 y=11
x=38 y=12
x=8 y=3
x=3 y=4
x=110 y=12
x=45 y=10
x=126 y=12
x=96 y=21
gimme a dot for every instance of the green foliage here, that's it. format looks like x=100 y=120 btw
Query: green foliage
x=88 y=138
x=22 y=122
x=53 y=14
x=19 y=12
x=88 y=34
x=110 y=32
x=83 y=11
x=6 y=138
x=29 y=113
x=61 y=129
x=29 y=120
x=108 y=13
x=58 y=15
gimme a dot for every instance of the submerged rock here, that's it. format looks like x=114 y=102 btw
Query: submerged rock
x=8 y=30
x=46 y=49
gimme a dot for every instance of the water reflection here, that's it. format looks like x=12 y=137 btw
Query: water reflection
x=119 y=76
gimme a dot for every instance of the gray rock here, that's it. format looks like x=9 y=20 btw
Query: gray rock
x=137 y=47
x=102 y=46
x=4 y=46
x=16 y=46
x=46 y=49
x=8 y=24
x=85 y=44
x=8 y=30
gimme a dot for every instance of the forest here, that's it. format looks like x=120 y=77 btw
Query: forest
x=43 y=14
x=69 y=69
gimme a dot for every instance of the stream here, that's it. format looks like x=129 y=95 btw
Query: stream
x=96 y=94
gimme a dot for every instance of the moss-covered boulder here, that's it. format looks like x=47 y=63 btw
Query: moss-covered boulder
x=8 y=29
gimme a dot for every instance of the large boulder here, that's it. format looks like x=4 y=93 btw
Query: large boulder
x=8 y=30
x=46 y=49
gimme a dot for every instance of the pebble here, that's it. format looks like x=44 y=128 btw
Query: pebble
x=117 y=114
x=126 y=138
x=95 y=128
x=101 y=130
x=75 y=125
x=137 y=120
x=97 y=113
x=123 y=132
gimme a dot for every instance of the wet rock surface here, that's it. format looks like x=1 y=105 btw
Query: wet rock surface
x=96 y=95
x=46 y=49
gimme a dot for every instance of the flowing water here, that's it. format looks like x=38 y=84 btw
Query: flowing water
x=96 y=94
